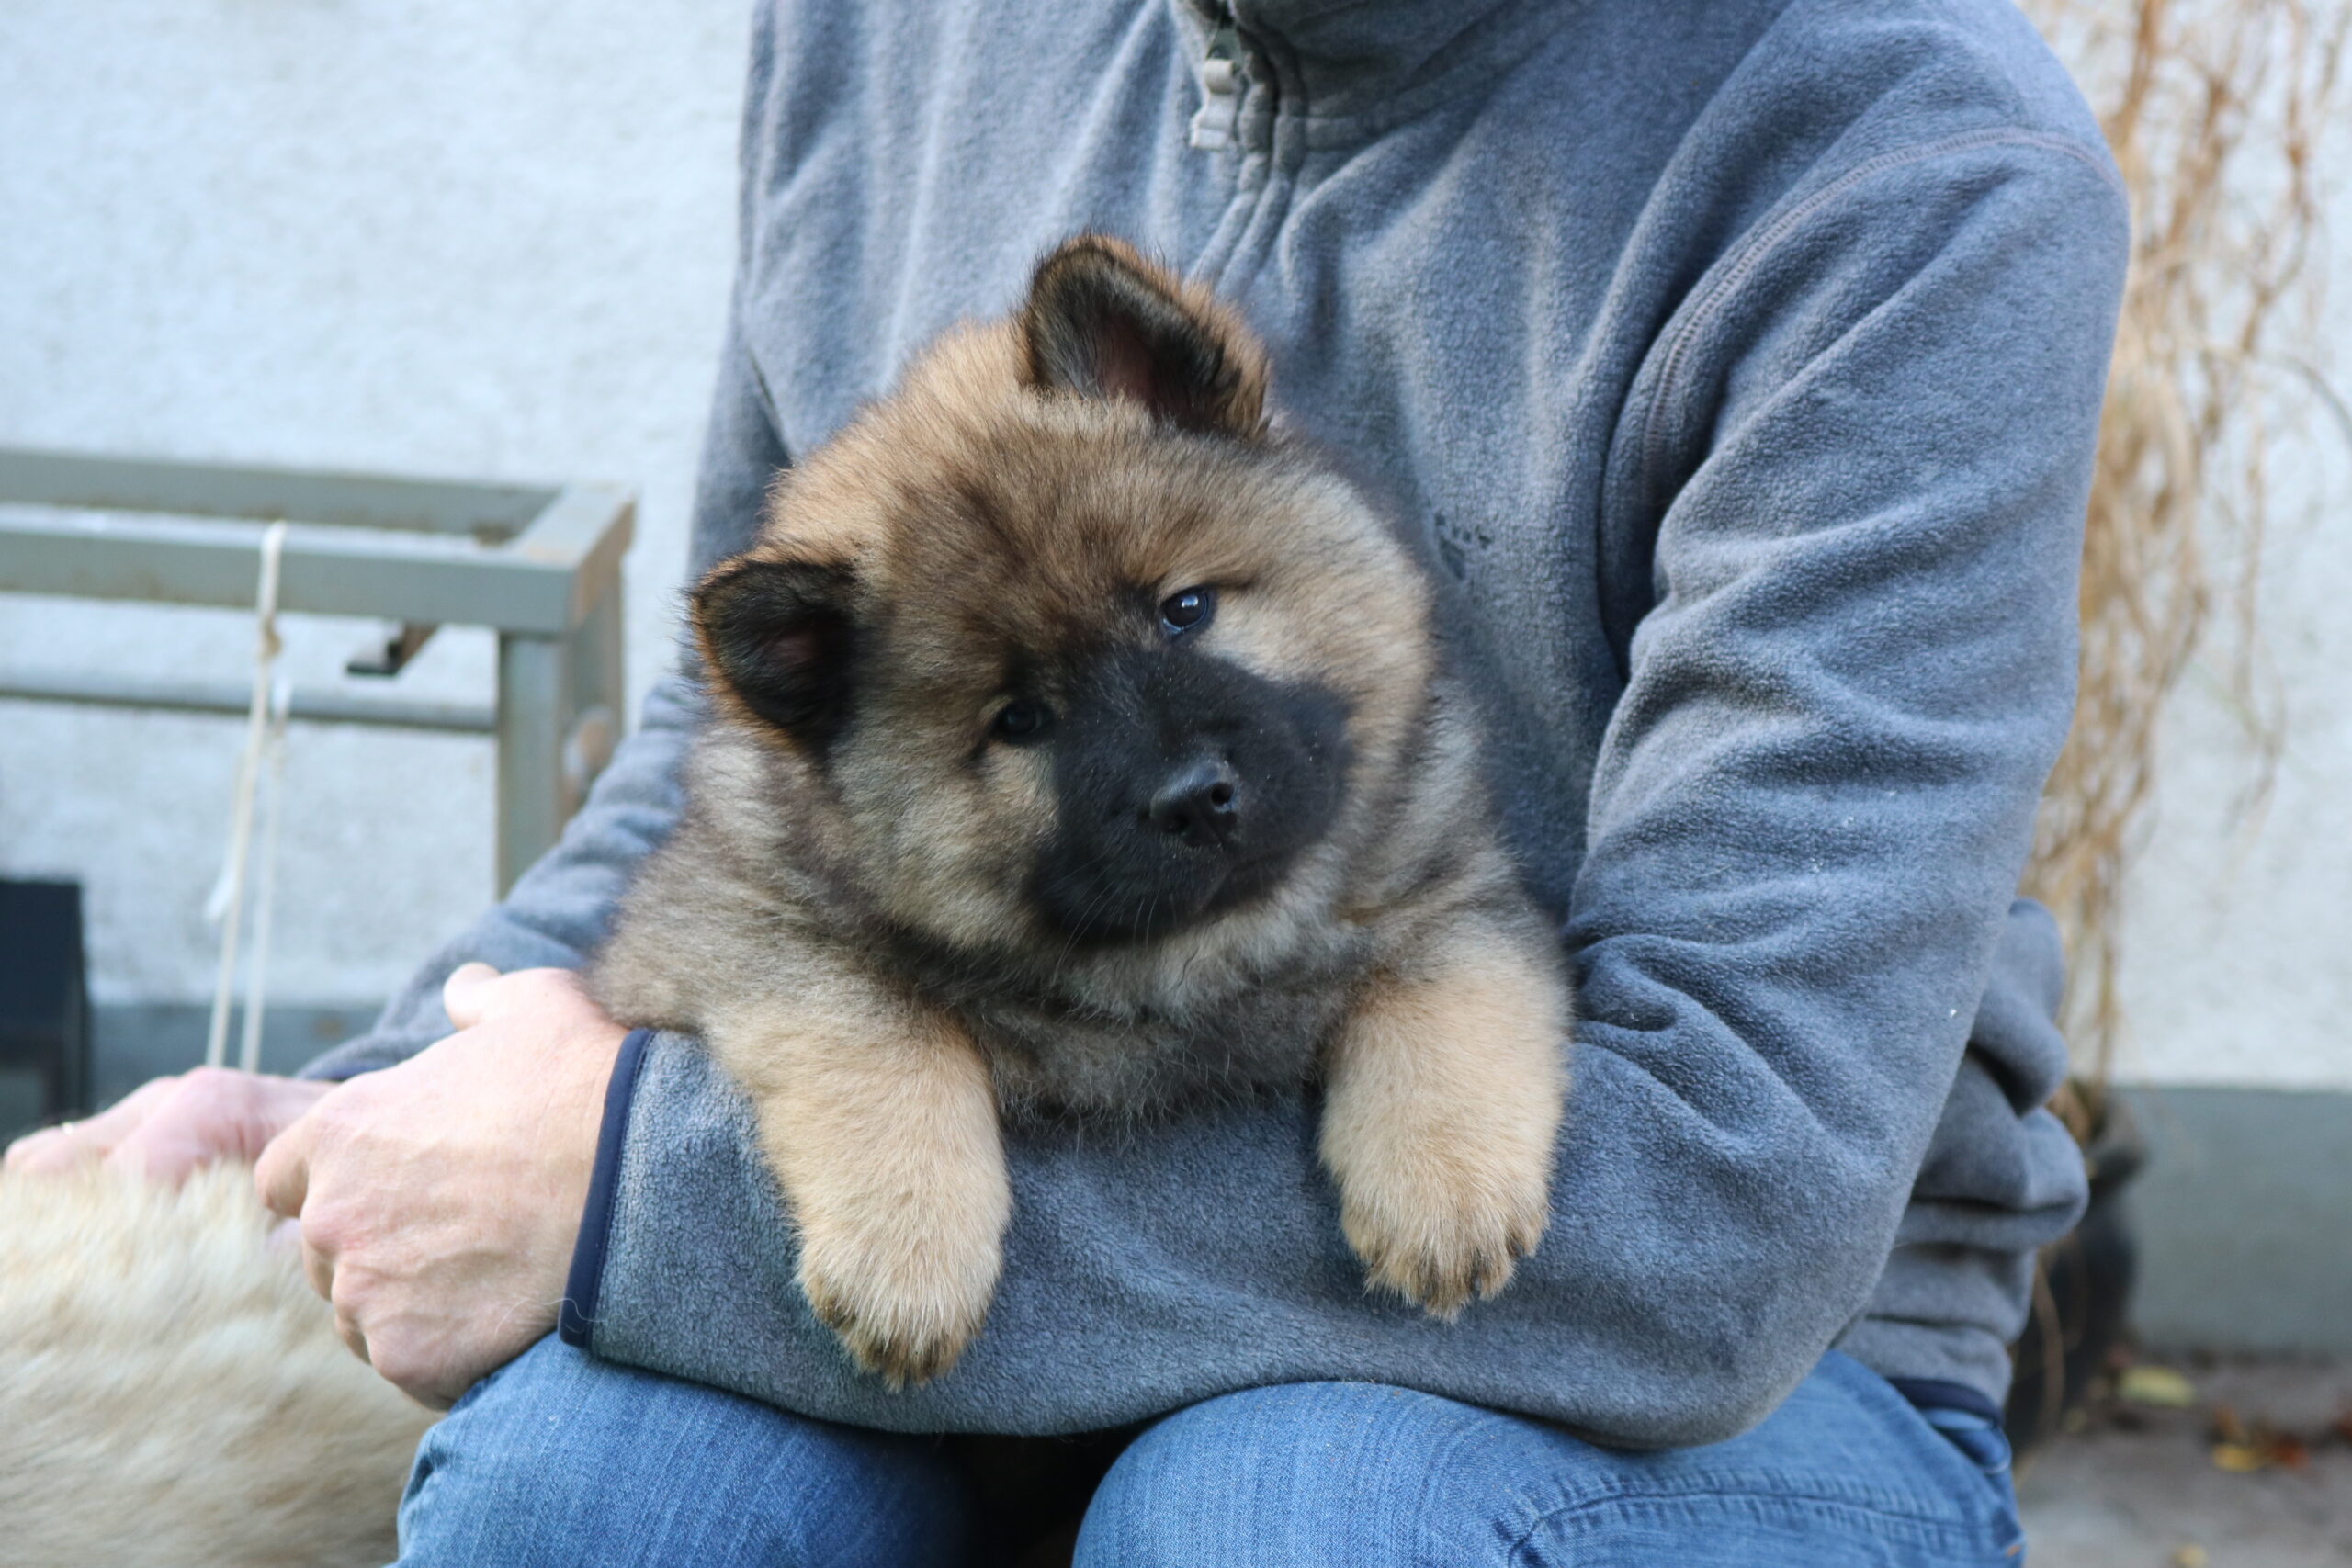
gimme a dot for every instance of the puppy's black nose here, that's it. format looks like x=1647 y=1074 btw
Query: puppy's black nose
x=1197 y=803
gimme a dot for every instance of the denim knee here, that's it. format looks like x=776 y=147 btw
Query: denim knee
x=1846 y=1473
x=560 y=1459
x=1304 y=1474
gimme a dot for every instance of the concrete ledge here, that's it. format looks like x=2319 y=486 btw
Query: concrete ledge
x=2245 y=1220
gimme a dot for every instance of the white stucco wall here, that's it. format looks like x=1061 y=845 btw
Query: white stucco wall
x=423 y=236
x=2238 y=954
x=414 y=236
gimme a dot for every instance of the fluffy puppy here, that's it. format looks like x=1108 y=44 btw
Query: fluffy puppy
x=171 y=1391
x=1081 y=745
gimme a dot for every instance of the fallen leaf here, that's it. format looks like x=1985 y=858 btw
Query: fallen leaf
x=2190 y=1556
x=2158 y=1386
x=2239 y=1458
x=2288 y=1451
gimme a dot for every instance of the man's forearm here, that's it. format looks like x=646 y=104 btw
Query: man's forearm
x=1149 y=1267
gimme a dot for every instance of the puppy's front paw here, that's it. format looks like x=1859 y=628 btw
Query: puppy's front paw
x=903 y=1305
x=1443 y=1227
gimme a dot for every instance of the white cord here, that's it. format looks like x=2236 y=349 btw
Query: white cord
x=281 y=698
x=227 y=903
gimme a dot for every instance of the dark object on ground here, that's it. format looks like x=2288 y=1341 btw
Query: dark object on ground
x=2082 y=1291
x=44 y=993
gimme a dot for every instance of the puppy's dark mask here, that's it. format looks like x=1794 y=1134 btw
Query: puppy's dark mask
x=1121 y=866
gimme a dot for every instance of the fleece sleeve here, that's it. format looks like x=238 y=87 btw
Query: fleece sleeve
x=559 y=911
x=1861 y=451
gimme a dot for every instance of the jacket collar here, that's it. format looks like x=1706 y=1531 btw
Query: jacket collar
x=1340 y=59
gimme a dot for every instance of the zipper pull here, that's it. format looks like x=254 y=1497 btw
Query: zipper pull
x=1216 y=125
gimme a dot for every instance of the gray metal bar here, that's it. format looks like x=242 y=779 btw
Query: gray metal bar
x=539 y=565
x=391 y=655
x=534 y=710
x=232 y=697
x=598 y=678
x=327 y=571
x=587 y=529
x=203 y=489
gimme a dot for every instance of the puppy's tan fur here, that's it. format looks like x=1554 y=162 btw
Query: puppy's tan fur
x=849 y=925
x=171 y=1391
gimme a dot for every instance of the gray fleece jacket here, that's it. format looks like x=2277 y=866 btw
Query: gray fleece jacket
x=1737 y=364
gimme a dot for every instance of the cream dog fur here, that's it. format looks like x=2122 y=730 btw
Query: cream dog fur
x=173 y=1395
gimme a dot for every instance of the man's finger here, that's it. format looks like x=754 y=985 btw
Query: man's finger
x=76 y=1143
x=433 y=1392
x=282 y=1175
x=188 y=1126
x=319 y=1269
x=348 y=1332
x=163 y=1150
x=46 y=1152
x=462 y=994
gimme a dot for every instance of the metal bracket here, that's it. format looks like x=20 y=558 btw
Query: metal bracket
x=391 y=656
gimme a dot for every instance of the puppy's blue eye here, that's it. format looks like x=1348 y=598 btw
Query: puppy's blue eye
x=1020 y=721
x=1181 y=613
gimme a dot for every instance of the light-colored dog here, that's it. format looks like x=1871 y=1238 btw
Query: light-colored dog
x=173 y=1395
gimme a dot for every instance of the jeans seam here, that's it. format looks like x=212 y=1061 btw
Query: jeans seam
x=1751 y=1494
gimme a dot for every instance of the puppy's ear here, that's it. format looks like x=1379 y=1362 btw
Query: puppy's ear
x=780 y=636
x=1102 y=322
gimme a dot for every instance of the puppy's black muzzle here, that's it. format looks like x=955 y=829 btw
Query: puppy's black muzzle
x=1187 y=786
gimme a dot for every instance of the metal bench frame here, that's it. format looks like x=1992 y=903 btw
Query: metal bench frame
x=540 y=564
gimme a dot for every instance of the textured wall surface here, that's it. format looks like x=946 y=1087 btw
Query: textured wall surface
x=2238 y=954
x=428 y=237
x=416 y=236
x=2238 y=962
x=2240 y=915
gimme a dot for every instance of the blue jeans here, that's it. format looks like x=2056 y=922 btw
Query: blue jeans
x=562 y=1459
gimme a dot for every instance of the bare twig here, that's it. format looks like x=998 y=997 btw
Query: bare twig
x=2210 y=107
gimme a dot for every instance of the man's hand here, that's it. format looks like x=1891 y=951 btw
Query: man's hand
x=439 y=1199
x=167 y=1128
